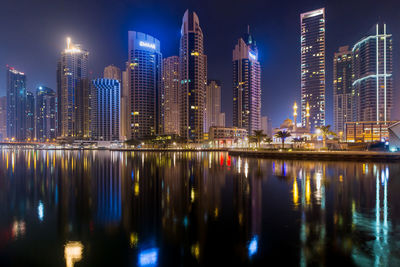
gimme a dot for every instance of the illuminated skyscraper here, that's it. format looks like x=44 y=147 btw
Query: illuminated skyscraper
x=46 y=114
x=145 y=74
x=213 y=105
x=16 y=104
x=193 y=79
x=30 y=116
x=73 y=93
x=105 y=109
x=246 y=85
x=171 y=94
x=112 y=72
x=125 y=123
x=3 y=117
x=342 y=88
x=313 y=67
x=373 y=81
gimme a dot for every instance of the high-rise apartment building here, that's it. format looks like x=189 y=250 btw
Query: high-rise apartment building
x=373 y=80
x=313 y=67
x=30 y=116
x=342 y=88
x=16 y=105
x=46 y=114
x=266 y=125
x=73 y=93
x=3 y=117
x=213 y=105
x=105 y=109
x=193 y=79
x=171 y=94
x=112 y=72
x=145 y=82
x=246 y=85
x=125 y=123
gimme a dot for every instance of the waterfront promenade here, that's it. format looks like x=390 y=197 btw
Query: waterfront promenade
x=318 y=155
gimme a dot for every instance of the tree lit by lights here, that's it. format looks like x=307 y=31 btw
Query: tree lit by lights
x=73 y=252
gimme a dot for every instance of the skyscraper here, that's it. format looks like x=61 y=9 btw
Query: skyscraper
x=16 y=104
x=342 y=88
x=266 y=125
x=46 y=114
x=373 y=81
x=3 y=117
x=193 y=79
x=213 y=105
x=73 y=93
x=105 y=109
x=30 y=116
x=246 y=85
x=171 y=94
x=145 y=74
x=125 y=122
x=112 y=72
x=313 y=67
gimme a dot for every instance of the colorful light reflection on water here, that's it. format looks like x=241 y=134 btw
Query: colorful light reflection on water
x=96 y=208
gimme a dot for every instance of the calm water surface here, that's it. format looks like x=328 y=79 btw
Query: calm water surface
x=100 y=208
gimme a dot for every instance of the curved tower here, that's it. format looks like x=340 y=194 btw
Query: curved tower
x=193 y=79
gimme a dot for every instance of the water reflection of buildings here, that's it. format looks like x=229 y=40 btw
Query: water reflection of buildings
x=355 y=190
x=183 y=207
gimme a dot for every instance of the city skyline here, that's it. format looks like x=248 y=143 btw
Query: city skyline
x=217 y=46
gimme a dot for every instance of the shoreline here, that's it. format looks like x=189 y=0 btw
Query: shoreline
x=320 y=155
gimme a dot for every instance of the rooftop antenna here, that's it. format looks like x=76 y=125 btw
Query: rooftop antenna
x=248 y=29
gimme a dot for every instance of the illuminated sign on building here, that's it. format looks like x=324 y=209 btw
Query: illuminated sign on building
x=148 y=45
x=252 y=56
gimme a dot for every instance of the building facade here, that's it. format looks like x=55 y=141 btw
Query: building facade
x=3 y=117
x=125 y=123
x=30 y=116
x=171 y=94
x=112 y=72
x=313 y=67
x=46 y=114
x=16 y=105
x=145 y=85
x=246 y=85
x=266 y=125
x=342 y=88
x=73 y=93
x=213 y=105
x=368 y=131
x=373 y=81
x=193 y=79
x=105 y=109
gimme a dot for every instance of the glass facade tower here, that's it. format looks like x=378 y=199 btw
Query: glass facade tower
x=373 y=81
x=246 y=85
x=16 y=105
x=313 y=67
x=342 y=88
x=145 y=84
x=105 y=109
x=46 y=114
x=73 y=93
x=193 y=79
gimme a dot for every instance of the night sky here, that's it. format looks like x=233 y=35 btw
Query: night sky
x=33 y=34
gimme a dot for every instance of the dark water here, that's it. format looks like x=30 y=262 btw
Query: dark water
x=63 y=208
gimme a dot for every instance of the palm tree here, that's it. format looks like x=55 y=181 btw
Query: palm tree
x=283 y=135
x=325 y=131
x=298 y=140
x=259 y=136
x=268 y=140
